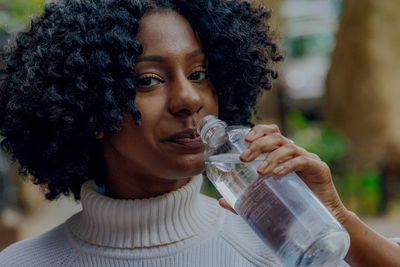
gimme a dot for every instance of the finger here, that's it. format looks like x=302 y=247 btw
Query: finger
x=264 y=144
x=279 y=156
x=225 y=205
x=304 y=164
x=295 y=164
x=283 y=154
x=261 y=130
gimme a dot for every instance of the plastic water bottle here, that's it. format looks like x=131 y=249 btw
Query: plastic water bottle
x=282 y=211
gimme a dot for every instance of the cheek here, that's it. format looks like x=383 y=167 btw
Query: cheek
x=152 y=106
x=126 y=140
x=132 y=139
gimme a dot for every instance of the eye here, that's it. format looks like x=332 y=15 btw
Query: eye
x=149 y=80
x=198 y=75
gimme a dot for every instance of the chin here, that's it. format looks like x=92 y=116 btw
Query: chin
x=191 y=172
x=182 y=171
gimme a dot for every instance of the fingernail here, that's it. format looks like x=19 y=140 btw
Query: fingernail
x=246 y=153
x=250 y=134
x=262 y=166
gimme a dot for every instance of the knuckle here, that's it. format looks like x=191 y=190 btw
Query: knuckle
x=267 y=128
x=260 y=128
x=304 y=160
x=302 y=151
x=276 y=135
x=315 y=156
x=324 y=164
x=291 y=146
x=274 y=127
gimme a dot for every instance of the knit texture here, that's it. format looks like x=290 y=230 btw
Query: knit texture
x=181 y=228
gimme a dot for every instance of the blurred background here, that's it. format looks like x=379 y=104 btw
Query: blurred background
x=336 y=96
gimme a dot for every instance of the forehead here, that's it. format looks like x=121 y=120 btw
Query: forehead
x=166 y=31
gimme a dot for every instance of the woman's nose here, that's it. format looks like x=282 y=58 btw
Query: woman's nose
x=185 y=97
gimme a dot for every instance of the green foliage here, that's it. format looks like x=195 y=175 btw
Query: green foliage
x=359 y=190
x=316 y=137
x=209 y=189
x=15 y=14
x=302 y=46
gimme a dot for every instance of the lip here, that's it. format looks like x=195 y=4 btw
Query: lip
x=188 y=139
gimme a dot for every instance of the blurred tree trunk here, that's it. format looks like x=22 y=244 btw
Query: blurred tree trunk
x=268 y=109
x=362 y=97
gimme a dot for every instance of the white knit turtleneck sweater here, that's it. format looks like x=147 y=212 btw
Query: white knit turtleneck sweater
x=181 y=228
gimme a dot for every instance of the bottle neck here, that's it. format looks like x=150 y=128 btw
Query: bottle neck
x=212 y=130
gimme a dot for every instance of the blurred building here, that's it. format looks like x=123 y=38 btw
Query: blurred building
x=310 y=28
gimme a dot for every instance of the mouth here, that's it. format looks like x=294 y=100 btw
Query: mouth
x=188 y=139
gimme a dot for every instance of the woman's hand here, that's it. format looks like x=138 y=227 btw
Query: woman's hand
x=367 y=247
x=283 y=157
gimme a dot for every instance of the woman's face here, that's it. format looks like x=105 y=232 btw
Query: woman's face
x=173 y=95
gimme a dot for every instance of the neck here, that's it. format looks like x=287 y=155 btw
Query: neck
x=122 y=182
x=123 y=187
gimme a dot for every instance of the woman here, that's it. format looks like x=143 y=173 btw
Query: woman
x=100 y=100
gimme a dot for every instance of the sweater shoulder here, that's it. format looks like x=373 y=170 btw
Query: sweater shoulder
x=48 y=249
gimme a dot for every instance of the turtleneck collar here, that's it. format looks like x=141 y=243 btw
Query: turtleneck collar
x=139 y=223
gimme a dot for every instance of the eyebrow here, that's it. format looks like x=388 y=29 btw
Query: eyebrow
x=155 y=58
x=152 y=58
x=196 y=53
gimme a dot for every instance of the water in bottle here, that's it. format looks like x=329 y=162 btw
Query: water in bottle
x=282 y=211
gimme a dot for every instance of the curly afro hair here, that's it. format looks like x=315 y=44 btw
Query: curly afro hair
x=71 y=74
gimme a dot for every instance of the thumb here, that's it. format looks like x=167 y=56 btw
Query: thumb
x=225 y=205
